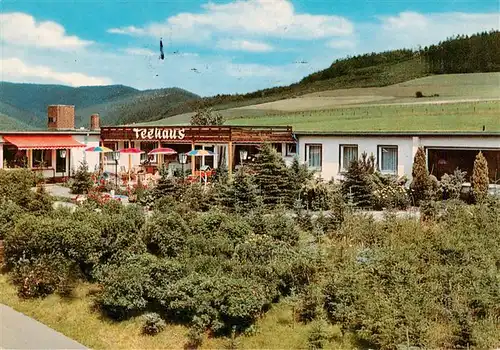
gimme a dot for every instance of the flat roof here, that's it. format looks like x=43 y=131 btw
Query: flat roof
x=399 y=133
x=48 y=132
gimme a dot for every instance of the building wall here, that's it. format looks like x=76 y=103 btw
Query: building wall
x=331 y=151
x=407 y=147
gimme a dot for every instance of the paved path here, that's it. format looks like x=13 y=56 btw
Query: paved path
x=18 y=331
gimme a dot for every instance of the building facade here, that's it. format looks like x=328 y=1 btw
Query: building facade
x=329 y=153
x=55 y=152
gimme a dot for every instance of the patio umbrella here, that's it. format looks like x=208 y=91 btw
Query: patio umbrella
x=200 y=152
x=163 y=150
x=99 y=149
x=130 y=151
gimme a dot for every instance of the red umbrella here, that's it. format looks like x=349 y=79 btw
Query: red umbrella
x=130 y=151
x=163 y=150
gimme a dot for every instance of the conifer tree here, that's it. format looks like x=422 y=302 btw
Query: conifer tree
x=82 y=181
x=298 y=175
x=480 y=179
x=167 y=186
x=244 y=191
x=271 y=176
x=421 y=184
x=358 y=185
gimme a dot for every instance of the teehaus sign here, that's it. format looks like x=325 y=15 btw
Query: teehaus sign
x=159 y=133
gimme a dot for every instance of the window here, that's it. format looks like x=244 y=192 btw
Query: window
x=314 y=155
x=42 y=158
x=291 y=149
x=126 y=144
x=108 y=157
x=388 y=156
x=348 y=153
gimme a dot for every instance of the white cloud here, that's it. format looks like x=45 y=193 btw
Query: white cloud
x=252 y=70
x=272 y=18
x=139 y=51
x=244 y=45
x=13 y=69
x=21 y=29
x=341 y=44
x=409 y=29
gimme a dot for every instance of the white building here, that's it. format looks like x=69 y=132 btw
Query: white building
x=54 y=152
x=331 y=152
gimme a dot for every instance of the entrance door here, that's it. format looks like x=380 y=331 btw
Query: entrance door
x=61 y=162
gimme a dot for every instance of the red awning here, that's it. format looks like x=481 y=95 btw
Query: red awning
x=43 y=141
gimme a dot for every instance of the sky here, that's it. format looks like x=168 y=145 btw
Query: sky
x=215 y=47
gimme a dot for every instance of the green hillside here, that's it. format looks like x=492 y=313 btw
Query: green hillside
x=8 y=124
x=28 y=103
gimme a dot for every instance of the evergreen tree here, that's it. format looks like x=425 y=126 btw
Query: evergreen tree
x=298 y=175
x=244 y=191
x=480 y=179
x=271 y=176
x=421 y=184
x=167 y=186
x=206 y=116
x=358 y=185
x=82 y=180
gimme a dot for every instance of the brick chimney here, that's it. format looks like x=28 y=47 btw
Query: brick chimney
x=60 y=117
x=95 y=122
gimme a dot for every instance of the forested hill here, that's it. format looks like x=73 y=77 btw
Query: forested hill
x=27 y=103
x=460 y=54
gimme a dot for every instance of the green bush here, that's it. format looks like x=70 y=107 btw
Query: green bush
x=310 y=304
x=318 y=335
x=44 y=275
x=416 y=284
x=450 y=186
x=125 y=286
x=316 y=194
x=34 y=236
x=166 y=234
x=9 y=211
x=153 y=324
x=389 y=193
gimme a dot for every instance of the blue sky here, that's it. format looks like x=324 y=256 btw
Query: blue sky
x=218 y=46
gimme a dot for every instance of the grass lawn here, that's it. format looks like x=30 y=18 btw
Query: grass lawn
x=465 y=116
x=76 y=319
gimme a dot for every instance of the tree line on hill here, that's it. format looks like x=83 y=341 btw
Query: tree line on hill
x=464 y=54
x=460 y=54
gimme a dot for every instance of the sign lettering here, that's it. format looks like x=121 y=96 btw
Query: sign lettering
x=159 y=133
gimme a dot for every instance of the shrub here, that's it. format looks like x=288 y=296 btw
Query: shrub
x=318 y=335
x=125 y=286
x=450 y=186
x=419 y=94
x=41 y=201
x=36 y=236
x=310 y=304
x=44 y=275
x=165 y=234
x=316 y=194
x=281 y=227
x=9 y=212
x=420 y=186
x=153 y=324
x=82 y=181
x=480 y=180
x=413 y=284
x=15 y=185
x=389 y=193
